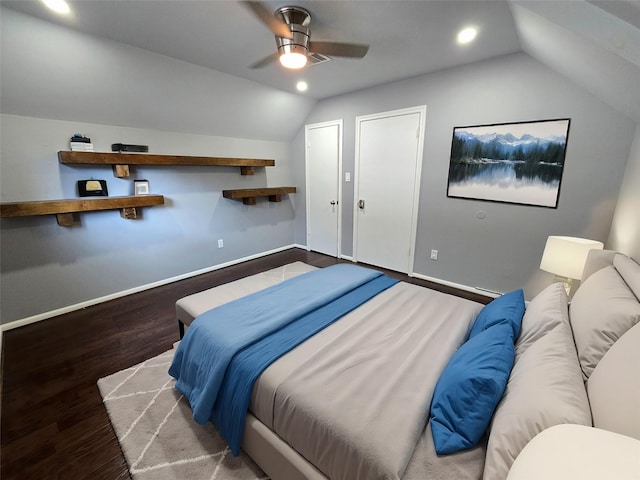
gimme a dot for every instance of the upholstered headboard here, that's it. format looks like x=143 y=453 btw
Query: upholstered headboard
x=605 y=321
x=605 y=318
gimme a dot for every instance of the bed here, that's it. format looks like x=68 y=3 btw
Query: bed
x=356 y=400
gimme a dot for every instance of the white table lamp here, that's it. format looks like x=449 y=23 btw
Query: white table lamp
x=565 y=257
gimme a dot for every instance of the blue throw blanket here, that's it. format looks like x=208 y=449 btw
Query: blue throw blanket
x=215 y=337
x=230 y=410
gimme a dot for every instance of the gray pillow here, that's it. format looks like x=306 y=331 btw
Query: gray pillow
x=597 y=260
x=602 y=310
x=547 y=310
x=545 y=389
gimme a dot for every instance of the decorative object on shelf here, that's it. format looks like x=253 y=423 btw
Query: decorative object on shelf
x=509 y=162
x=141 y=187
x=565 y=257
x=121 y=161
x=80 y=143
x=123 y=147
x=92 y=188
x=64 y=209
x=249 y=195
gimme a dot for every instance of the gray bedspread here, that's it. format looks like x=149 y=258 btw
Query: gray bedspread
x=354 y=399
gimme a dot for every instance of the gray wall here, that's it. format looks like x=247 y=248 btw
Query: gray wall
x=179 y=108
x=46 y=267
x=53 y=72
x=56 y=82
x=502 y=251
x=625 y=230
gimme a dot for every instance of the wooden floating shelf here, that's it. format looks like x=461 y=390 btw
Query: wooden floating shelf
x=121 y=161
x=249 y=195
x=64 y=209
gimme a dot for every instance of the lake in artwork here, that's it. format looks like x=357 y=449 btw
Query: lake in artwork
x=513 y=163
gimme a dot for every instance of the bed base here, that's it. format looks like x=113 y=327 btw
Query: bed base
x=181 y=329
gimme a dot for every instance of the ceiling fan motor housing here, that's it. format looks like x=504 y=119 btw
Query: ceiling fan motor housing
x=298 y=20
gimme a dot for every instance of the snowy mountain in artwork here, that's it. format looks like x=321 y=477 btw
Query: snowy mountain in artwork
x=468 y=146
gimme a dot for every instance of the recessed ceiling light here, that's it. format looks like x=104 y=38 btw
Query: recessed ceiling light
x=467 y=35
x=58 y=6
x=302 y=86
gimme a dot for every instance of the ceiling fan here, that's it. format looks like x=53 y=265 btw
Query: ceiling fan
x=290 y=25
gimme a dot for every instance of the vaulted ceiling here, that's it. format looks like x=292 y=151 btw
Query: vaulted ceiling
x=596 y=44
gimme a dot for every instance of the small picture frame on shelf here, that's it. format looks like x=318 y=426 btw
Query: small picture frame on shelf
x=141 y=187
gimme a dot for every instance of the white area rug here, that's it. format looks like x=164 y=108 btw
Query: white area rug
x=155 y=428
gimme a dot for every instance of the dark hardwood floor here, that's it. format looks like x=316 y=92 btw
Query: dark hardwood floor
x=53 y=422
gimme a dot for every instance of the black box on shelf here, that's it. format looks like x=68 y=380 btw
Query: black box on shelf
x=123 y=147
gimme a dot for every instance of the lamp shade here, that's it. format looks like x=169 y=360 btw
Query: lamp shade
x=566 y=256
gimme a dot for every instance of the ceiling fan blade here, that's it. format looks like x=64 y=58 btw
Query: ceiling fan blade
x=266 y=61
x=334 y=49
x=263 y=14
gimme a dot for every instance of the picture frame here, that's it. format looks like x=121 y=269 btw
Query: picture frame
x=141 y=187
x=519 y=163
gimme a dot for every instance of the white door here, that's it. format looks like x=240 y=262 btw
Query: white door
x=388 y=166
x=323 y=165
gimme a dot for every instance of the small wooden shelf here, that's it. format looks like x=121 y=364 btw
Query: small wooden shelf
x=121 y=161
x=249 y=195
x=64 y=209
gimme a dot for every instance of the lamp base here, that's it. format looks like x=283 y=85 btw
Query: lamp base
x=566 y=282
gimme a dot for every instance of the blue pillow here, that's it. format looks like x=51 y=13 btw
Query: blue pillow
x=470 y=388
x=508 y=308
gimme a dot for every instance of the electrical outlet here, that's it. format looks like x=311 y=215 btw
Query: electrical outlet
x=434 y=254
x=347 y=176
x=220 y=243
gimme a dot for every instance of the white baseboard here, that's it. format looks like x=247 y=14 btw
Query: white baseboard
x=88 y=303
x=459 y=286
x=304 y=247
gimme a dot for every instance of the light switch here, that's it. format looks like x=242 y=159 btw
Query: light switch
x=347 y=176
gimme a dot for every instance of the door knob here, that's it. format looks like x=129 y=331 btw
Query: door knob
x=361 y=204
x=332 y=202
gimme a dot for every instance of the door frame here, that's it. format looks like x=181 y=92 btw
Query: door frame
x=421 y=110
x=311 y=126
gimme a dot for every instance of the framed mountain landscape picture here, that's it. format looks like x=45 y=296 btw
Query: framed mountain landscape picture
x=509 y=162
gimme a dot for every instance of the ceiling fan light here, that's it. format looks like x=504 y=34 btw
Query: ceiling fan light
x=293 y=60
